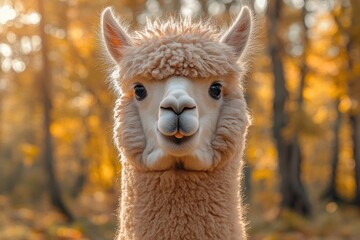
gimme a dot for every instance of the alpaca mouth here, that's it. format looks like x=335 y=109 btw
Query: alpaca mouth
x=177 y=140
x=176 y=146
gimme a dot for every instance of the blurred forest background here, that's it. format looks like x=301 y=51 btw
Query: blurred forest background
x=58 y=165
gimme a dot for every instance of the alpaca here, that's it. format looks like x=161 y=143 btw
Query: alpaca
x=180 y=126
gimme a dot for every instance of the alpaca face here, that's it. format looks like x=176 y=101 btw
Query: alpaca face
x=181 y=103
x=179 y=117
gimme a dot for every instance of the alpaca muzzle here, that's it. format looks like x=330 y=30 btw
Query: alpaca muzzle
x=178 y=115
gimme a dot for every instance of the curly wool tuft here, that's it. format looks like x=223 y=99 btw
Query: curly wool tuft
x=177 y=48
x=173 y=26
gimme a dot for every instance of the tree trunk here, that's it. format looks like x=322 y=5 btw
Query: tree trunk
x=80 y=151
x=354 y=88
x=45 y=86
x=331 y=193
x=246 y=183
x=355 y=136
x=280 y=94
x=293 y=193
x=301 y=201
x=2 y=92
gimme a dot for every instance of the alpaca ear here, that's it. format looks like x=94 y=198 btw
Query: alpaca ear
x=238 y=35
x=114 y=36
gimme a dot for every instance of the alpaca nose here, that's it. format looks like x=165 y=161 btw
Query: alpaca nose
x=178 y=115
x=177 y=101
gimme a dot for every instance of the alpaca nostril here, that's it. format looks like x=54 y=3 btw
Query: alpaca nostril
x=177 y=111
x=169 y=109
x=186 y=108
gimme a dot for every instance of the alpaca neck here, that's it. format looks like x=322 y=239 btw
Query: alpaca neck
x=177 y=204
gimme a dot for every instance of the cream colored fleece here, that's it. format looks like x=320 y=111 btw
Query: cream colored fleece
x=181 y=205
x=178 y=204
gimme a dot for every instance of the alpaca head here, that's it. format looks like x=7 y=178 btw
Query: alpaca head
x=180 y=101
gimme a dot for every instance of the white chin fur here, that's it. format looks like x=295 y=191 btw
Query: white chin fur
x=169 y=145
x=168 y=154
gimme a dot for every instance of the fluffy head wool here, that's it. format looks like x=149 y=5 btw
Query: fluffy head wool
x=176 y=48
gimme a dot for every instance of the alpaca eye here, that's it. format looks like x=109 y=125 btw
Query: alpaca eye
x=140 y=92
x=215 y=90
